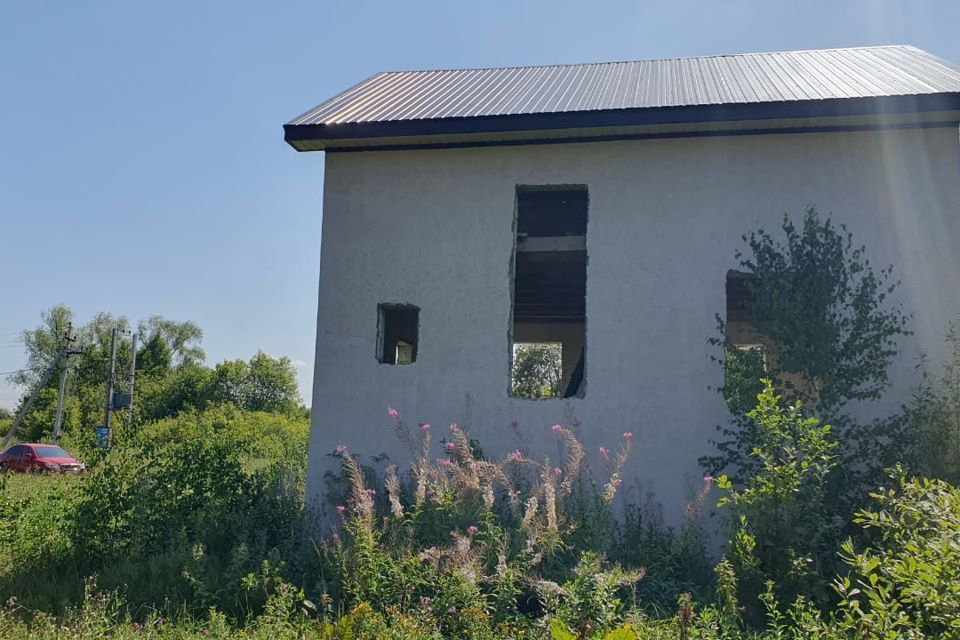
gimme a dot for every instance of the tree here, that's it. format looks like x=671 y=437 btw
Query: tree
x=823 y=309
x=273 y=384
x=537 y=371
x=263 y=384
x=42 y=345
x=829 y=333
x=182 y=338
x=154 y=357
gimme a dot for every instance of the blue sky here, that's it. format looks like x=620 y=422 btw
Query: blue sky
x=142 y=165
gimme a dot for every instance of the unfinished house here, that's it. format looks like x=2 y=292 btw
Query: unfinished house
x=510 y=248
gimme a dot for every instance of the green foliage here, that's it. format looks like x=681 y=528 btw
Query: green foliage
x=537 y=371
x=263 y=384
x=907 y=582
x=588 y=601
x=742 y=371
x=780 y=515
x=927 y=431
x=824 y=310
x=198 y=511
x=193 y=525
x=674 y=561
x=171 y=376
x=829 y=333
x=175 y=343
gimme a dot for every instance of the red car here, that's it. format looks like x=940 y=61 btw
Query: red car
x=39 y=458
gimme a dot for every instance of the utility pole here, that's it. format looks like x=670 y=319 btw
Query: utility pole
x=113 y=371
x=133 y=372
x=67 y=352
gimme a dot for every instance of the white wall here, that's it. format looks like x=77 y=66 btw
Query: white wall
x=434 y=228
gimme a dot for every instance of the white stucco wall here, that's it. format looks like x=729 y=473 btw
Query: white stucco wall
x=434 y=228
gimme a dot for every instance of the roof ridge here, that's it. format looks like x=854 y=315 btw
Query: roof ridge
x=670 y=59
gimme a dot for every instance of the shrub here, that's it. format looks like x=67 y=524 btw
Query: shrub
x=782 y=530
x=203 y=510
x=907 y=583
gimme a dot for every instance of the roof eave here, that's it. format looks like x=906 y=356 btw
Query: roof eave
x=309 y=137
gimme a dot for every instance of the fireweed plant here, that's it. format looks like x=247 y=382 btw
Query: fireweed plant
x=459 y=532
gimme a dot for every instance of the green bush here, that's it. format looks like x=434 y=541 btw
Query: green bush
x=203 y=510
x=907 y=582
x=781 y=529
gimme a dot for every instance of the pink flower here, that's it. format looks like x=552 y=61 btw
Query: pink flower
x=340 y=450
x=425 y=601
x=604 y=453
x=557 y=471
x=454 y=426
x=371 y=492
x=472 y=530
x=341 y=509
x=452 y=610
x=424 y=426
x=557 y=428
x=516 y=456
x=391 y=469
x=450 y=447
x=708 y=480
x=443 y=462
x=627 y=435
x=393 y=412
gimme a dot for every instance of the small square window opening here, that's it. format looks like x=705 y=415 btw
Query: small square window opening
x=398 y=330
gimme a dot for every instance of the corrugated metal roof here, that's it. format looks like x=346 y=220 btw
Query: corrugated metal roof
x=757 y=78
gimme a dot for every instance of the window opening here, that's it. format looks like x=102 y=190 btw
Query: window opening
x=398 y=333
x=548 y=339
x=746 y=352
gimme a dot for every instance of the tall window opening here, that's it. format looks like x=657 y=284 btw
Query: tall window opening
x=745 y=355
x=398 y=330
x=549 y=292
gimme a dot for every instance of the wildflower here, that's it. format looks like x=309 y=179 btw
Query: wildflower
x=393 y=412
x=708 y=480
x=557 y=428
x=424 y=426
x=341 y=509
x=340 y=450
x=454 y=426
x=557 y=471
x=627 y=435
x=371 y=492
x=425 y=601
x=604 y=453
x=450 y=447
x=452 y=610
x=516 y=456
x=136 y=625
x=443 y=462
x=472 y=529
x=391 y=469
